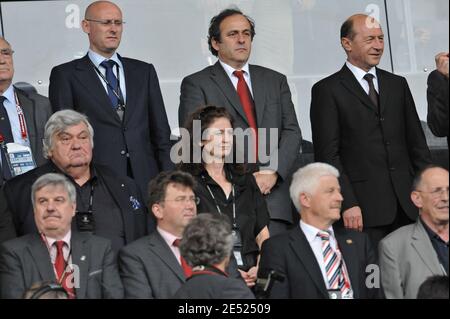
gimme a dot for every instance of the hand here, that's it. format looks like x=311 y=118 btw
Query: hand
x=250 y=276
x=442 y=63
x=266 y=180
x=353 y=218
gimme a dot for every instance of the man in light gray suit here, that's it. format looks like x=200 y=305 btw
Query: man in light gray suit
x=257 y=98
x=82 y=263
x=415 y=252
x=152 y=267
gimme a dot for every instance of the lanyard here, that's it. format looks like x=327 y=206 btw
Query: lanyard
x=23 y=127
x=68 y=262
x=118 y=93
x=235 y=225
x=91 y=198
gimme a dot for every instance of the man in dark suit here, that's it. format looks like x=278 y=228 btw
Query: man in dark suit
x=121 y=97
x=438 y=97
x=317 y=260
x=22 y=115
x=83 y=264
x=364 y=122
x=151 y=267
x=257 y=98
x=108 y=205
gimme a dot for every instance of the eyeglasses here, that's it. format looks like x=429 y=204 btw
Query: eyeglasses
x=6 y=52
x=184 y=200
x=438 y=192
x=108 y=22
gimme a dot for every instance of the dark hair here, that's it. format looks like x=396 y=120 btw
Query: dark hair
x=207 y=116
x=46 y=290
x=214 y=26
x=419 y=175
x=435 y=287
x=158 y=186
x=347 y=29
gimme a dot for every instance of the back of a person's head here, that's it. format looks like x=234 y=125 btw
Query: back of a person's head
x=46 y=290
x=435 y=287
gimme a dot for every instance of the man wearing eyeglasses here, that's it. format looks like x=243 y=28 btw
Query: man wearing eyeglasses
x=415 y=252
x=22 y=116
x=152 y=267
x=121 y=97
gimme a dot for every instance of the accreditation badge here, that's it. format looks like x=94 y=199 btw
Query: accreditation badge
x=20 y=158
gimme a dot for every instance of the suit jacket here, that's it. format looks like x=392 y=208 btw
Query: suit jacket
x=273 y=108
x=150 y=270
x=7 y=230
x=291 y=255
x=376 y=154
x=17 y=195
x=144 y=133
x=438 y=104
x=25 y=261
x=36 y=110
x=407 y=259
x=213 y=286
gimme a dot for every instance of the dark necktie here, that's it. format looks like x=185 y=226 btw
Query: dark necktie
x=186 y=268
x=60 y=267
x=112 y=79
x=373 y=95
x=6 y=132
x=248 y=106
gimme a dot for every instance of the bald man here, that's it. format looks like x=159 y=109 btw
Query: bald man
x=364 y=122
x=121 y=97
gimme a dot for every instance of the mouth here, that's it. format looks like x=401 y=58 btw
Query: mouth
x=50 y=217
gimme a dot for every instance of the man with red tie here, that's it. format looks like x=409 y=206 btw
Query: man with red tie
x=82 y=263
x=257 y=98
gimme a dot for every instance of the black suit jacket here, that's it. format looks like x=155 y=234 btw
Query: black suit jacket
x=25 y=261
x=16 y=193
x=144 y=132
x=376 y=154
x=438 y=104
x=291 y=255
x=36 y=110
x=274 y=110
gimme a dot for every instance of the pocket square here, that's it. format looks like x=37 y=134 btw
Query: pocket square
x=135 y=204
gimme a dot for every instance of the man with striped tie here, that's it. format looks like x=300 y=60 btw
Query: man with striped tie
x=317 y=260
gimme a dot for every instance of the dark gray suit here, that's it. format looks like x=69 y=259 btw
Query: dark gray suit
x=273 y=108
x=26 y=260
x=150 y=270
x=37 y=110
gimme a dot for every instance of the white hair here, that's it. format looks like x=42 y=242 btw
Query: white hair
x=306 y=180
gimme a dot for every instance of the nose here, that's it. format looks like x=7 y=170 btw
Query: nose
x=50 y=206
x=378 y=44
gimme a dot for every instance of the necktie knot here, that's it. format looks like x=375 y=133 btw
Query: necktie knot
x=239 y=74
x=369 y=77
x=59 y=245
x=108 y=64
x=176 y=242
x=324 y=235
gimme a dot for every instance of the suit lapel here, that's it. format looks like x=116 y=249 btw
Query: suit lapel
x=80 y=258
x=28 y=109
x=422 y=245
x=132 y=83
x=223 y=82
x=88 y=78
x=38 y=250
x=349 y=81
x=350 y=255
x=384 y=88
x=258 y=93
x=302 y=249
x=160 y=248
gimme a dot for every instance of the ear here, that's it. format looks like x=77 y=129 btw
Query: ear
x=85 y=26
x=215 y=44
x=157 y=211
x=417 y=199
x=304 y=200
x=346 y=44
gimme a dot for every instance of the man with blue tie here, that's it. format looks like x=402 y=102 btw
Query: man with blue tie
x=318 y=260
x=121 y=97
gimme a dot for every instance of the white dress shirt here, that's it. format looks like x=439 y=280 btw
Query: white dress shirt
x=234 y=79
x=359 y=75
x=53 y=250
x=169 y=239
x=97 y=59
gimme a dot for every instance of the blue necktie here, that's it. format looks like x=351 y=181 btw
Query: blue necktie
x=6 y=132
x=112 y=79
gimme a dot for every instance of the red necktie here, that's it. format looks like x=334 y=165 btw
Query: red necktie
x=248 y=106
x=186 y=268
x=60 y=267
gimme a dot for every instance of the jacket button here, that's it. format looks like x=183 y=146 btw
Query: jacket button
x=392 y=169
x=123 y=152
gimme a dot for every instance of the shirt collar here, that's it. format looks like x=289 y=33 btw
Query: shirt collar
x=168 y=237
x=93 y=173
x=230 y=70
x=65 y=239
x=311 y=231
x=9 y=95
x=360 y=73
x=97 y=58
x=430 y=232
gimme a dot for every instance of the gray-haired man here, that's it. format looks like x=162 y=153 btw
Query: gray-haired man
x=107 y=205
